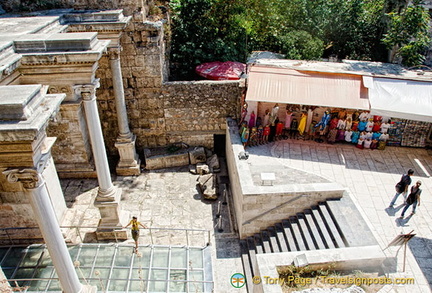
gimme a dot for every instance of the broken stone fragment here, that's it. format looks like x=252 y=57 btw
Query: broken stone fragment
x=213 y=163
x=202 y=168
x=197 y=155
x=207 y=186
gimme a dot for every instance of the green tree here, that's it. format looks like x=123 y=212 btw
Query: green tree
x=300 y=44
x=354 y=29
x=408 y=35
x=203 y=31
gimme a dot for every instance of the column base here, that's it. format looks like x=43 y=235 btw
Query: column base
x=108 y=196
x=109 y=210
x=103 y=233
x=129 y=163
x=129 y=171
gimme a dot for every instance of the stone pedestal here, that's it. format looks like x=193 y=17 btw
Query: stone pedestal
x=112 y=217
x=129 y=163
x=109 y=210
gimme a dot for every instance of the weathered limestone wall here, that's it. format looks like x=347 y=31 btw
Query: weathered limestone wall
x=72 y=145
x=143 y=70
x=162 y=113
x=195 y=111
x=16 y=210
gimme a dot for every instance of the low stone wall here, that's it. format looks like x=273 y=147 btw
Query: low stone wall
x=258 y=207
x=365 y=258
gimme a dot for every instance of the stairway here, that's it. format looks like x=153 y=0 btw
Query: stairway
x=314 y=228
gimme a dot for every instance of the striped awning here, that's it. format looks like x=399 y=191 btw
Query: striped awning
x=290 y=86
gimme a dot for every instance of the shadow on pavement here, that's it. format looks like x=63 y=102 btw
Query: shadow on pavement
x=421 y=248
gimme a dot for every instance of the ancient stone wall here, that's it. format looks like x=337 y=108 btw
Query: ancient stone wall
x=196 y=110
x=159 y=112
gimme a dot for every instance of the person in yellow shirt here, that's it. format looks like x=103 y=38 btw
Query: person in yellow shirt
x=135 y=230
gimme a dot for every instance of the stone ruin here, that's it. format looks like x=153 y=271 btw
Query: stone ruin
x=201 y=162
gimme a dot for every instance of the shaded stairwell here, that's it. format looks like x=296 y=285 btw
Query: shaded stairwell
x=328 y=225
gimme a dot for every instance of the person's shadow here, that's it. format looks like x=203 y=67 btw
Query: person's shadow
x=402 y=222
x=391 y=211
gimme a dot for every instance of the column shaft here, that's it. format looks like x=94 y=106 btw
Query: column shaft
x=106 y=188
x=122 y=118
x=46 y=218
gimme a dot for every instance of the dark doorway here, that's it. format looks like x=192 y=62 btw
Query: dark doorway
x=219 y=144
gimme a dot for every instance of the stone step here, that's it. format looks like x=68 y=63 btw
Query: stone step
x=247 y=265
x=289 y=235
x=350 y=222
x=281 y=238
x=314 y=230
x=252 y=254
x=297 y=235
x=304 y=229
x=327 y=238
x=266 y=242
x=273 y=239
x=258 y=244
x=330 y=225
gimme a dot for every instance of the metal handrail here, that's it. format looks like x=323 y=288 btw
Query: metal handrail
x=116 y=228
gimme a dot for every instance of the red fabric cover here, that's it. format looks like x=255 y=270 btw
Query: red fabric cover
x=229 y=70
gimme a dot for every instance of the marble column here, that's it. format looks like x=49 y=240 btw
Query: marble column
x=129 y=163
x=108 y=196
x=37 y=193
x=107 y=191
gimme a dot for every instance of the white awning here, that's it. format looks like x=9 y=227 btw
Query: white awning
x=286 y=85
x=406 y=99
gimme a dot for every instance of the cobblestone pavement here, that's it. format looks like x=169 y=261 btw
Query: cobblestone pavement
x=169 y=199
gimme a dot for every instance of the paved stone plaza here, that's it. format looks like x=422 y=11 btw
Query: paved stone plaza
x=169 y=199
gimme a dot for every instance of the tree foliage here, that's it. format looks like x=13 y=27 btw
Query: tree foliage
x=211 y=30
x=203 y=31
x=408 y=34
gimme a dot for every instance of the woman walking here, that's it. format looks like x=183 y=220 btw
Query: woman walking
x=413 y=199
x=135 y=230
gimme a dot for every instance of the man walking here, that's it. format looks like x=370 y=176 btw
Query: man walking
x=402 y=186
x=135 y=230
x=413 y=199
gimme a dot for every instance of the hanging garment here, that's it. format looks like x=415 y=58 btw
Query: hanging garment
x=245 y=135
x=340 y=135
x=288 y=119
x=325 y=119
x=332 y=135
x=252 y=120
x=266 y=119
x=355 y=136
x=302 y=124
x=309 y=119
x=279 y=128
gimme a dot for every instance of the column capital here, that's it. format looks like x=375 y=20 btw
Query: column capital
x=114 y=53
x=28 y=177
x=87 y=91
